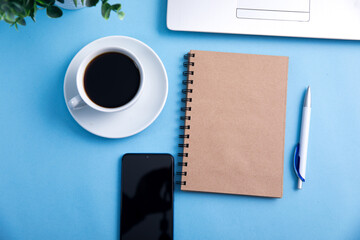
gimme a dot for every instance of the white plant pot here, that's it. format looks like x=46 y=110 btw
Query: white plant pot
x=70 y=5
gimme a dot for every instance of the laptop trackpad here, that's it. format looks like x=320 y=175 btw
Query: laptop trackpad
x=286 y=10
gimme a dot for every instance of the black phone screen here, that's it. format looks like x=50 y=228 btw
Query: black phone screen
x=146 y=197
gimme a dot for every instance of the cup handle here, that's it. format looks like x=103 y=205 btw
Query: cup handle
x=76 y=103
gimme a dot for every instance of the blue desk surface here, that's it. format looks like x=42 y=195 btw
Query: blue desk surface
x=58 y=181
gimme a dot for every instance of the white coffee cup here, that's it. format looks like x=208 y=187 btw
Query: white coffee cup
x=82 y=99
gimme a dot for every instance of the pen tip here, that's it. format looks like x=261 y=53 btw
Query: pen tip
x=299 y=184
x=307 y=99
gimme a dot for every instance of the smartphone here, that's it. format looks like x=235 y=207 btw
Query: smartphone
x=147 y=187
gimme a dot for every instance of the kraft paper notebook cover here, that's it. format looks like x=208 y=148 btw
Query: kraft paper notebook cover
x=234 y=123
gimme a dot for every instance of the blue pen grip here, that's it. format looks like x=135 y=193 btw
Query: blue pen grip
x=297 y=162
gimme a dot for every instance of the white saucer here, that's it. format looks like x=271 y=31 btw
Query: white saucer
x=135 y=118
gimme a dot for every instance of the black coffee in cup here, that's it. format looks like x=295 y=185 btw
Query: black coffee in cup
x=112 y=79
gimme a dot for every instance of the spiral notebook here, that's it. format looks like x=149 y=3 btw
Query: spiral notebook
x=234 y=123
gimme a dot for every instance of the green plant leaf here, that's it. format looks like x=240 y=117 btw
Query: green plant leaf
x=7 y=20
x=5 y=7
x=45 y=3
x=18 y=9
x=32 y=14
x=121 y=15
x=40 y=4
x=53 y=11
x=21 y=21
x=9 y=17
x=105 y=10
x=29 y=4
x=15 y=12
x=91 y=3
x=116 y=7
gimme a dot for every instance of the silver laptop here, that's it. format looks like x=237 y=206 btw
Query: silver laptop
x=338 y=19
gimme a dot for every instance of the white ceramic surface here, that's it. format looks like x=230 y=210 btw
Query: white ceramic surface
x=138 y=116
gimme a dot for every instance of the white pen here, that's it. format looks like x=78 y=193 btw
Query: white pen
x=304 y=137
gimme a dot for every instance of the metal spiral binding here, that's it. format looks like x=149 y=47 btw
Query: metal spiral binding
x=184 y=136
x=188 y=55
x=185 y=82
x=182 y=145
x=181 y=182
x=186 y=109
x=187 y=73
x=181 y=173
x=185 y=118
x=187 y=90
x=186 y=100
x=186 y=64
x=183 y=154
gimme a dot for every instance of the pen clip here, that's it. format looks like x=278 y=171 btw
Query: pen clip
x=297 y=162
